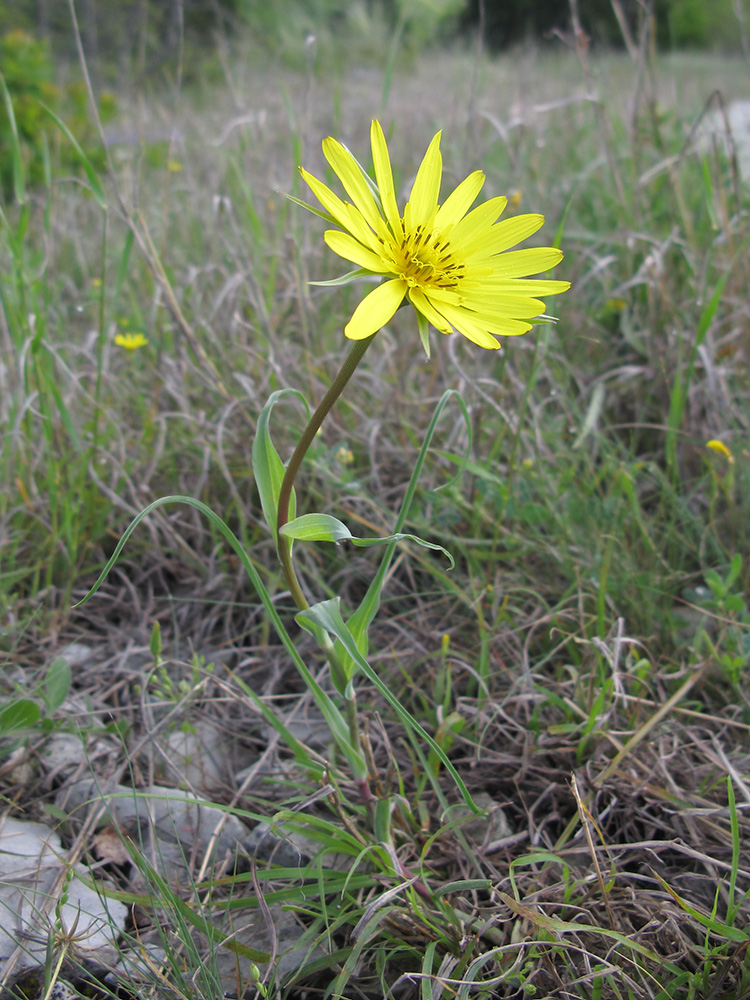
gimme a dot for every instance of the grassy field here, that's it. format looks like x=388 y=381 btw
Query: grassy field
x=584 y=664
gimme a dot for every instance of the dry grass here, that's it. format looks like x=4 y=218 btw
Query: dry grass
x=598 y=704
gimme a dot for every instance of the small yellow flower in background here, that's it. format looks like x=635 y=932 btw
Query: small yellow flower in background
x=174 y=166
x=455 y=266
x=130 y=341
x=615 y=305
x=345 y=456
x=721 y=449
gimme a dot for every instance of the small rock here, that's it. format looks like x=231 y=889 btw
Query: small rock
x=199 y=755
x=172 y=829
x=281 y=851
x=64 y=752
x=32 y=880
x=308 y=726
x=251 y=930
x=17 y=768
x=487 y=828
x=76 y=654
x=713 y=132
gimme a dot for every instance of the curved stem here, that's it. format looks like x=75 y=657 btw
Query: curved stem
x=284 y=545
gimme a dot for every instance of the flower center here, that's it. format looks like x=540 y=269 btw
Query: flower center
x=424 y=260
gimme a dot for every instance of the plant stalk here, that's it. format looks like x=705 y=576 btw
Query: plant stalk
x=335 y=389
x=284 y=545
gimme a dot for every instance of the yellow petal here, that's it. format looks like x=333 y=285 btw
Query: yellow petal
x=420 y=301
x=516 y=286
x=426 y=188
x=130 y=341
x=384 y=176
x=509 y=327
x=438 y=294
x=520 y=263
x=458 y=202
x=346 y=246
x=347 y=216
x=502 y=326
x=347 y=169
x=506 y=234
x=476 y=225
x=505 y=306
x=721 y=449
x=376 y=309
x=469 y=328
x=330 y=201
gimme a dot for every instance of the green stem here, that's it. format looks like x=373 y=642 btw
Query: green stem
x=336 y=388
x=284 y=544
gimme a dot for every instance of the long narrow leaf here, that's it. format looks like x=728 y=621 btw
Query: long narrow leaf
x=326 y=615
x=19 y=183
x=325 y=528
x=268 y=468
x=88 y=168
x=334 y=719
x=557 y=927
x=360 y=621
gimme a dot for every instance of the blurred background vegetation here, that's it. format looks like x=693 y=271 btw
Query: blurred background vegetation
x=137 y=38
x=135 y=42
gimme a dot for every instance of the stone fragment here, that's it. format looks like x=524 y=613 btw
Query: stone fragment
x=199 y=755
x=41 y=897
x=485 y=829
x=172 y=829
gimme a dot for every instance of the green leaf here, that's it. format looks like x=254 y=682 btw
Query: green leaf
x=592 y=415
x=334 y=718
x=57 y=683
x=424 y=333
x=427 y=979
x=311 y=208
x=122 y=267
x=19 y=183
x=19 y=714
x=317 y=528
x=360 y=621
x=324 y=528
x=267 y=466
x=327 y=615
x=681 y=387
x=345 y=279
x=557 y=927
x=88 y=169
x=717 y=927
x=735 y=568
x=154 y=643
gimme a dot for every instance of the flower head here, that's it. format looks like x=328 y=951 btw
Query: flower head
x=721 y=449
x=455 y=266
x=130 y=341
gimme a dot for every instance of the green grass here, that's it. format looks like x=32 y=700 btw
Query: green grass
x=601 y=549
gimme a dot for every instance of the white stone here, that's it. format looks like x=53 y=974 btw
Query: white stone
x=198 y=755
x=33 y=878
x=173 y=829
x=713 y=131
x=76 y=654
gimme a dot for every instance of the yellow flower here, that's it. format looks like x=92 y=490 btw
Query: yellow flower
x=130 y=341
x=455 y=266
x=721 y=449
